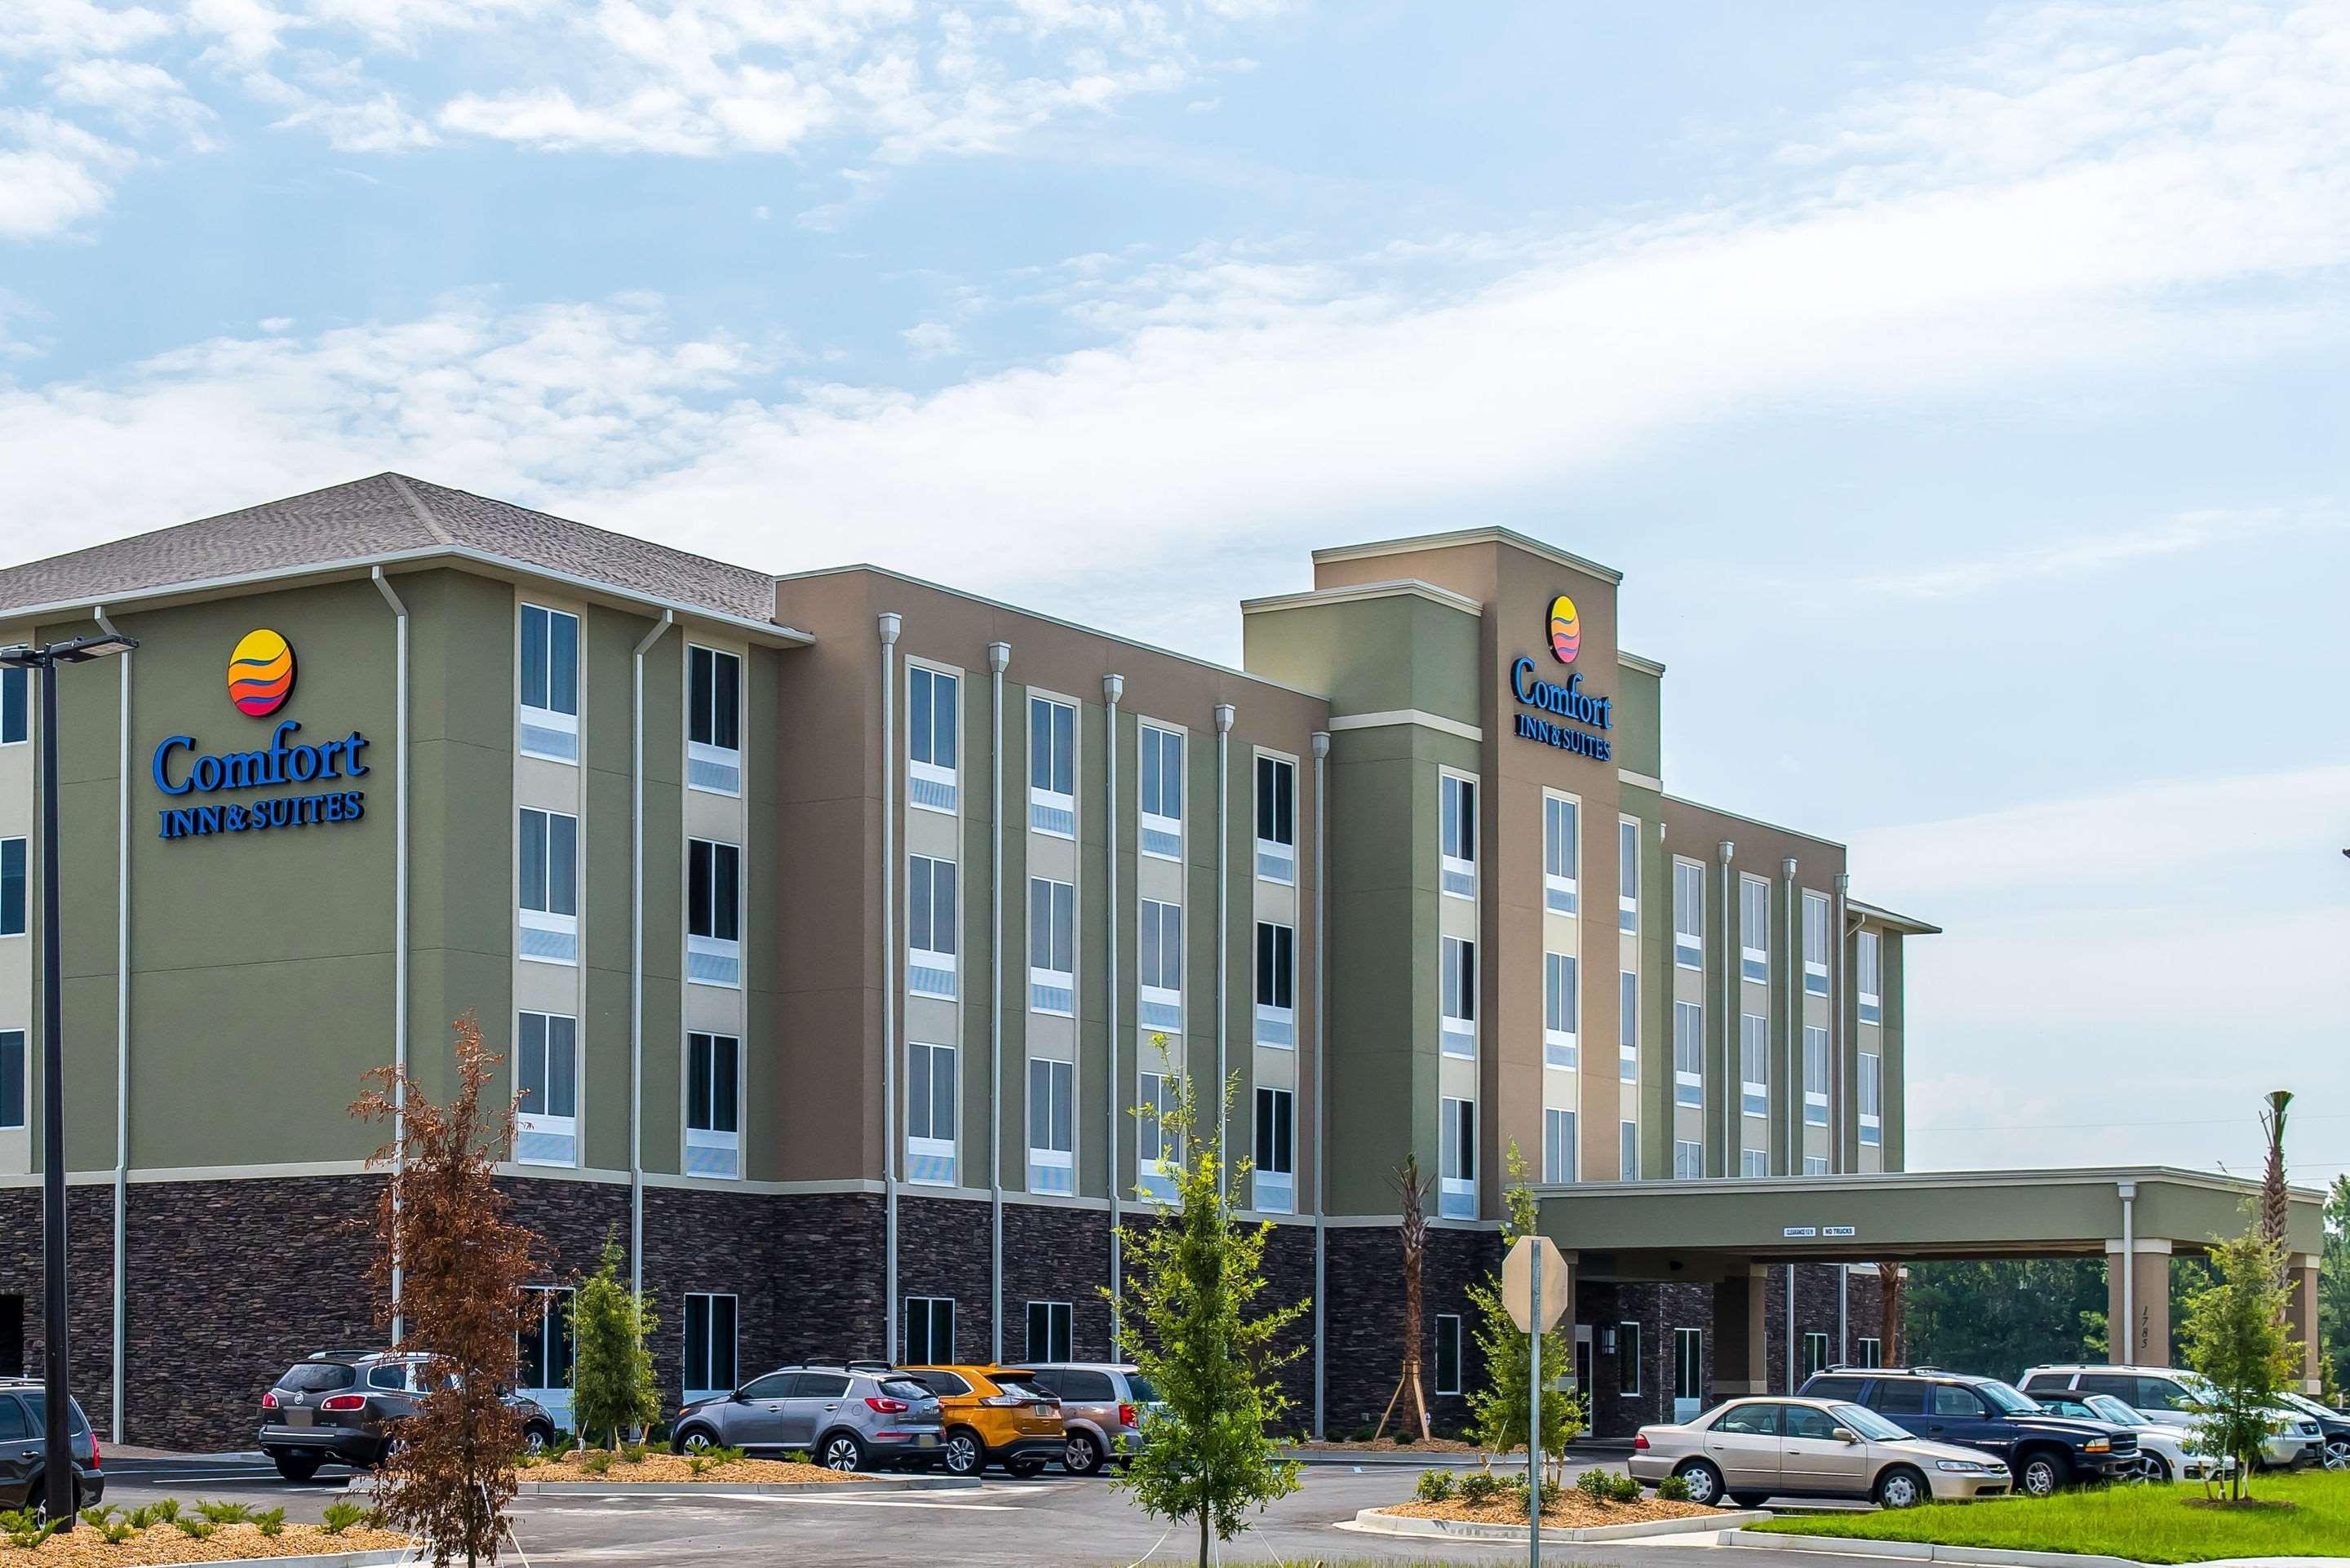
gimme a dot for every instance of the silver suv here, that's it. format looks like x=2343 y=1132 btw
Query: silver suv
x=846 y=1418
x=1103 y=1405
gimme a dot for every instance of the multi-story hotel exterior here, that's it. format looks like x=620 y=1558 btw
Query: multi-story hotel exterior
x=835 y=927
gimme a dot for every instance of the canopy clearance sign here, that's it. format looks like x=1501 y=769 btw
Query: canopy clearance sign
x=1574 y=714
x=260 y=679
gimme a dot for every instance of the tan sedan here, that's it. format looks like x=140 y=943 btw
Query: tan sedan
x=1750 y=1449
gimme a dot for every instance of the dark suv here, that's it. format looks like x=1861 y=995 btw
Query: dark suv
x=24 y=1417
x=339 y=1406
x=2044 y=1452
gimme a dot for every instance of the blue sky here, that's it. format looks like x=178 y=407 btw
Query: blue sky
x=1961 y=388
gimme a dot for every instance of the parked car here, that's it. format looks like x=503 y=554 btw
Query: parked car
x=1750 y=1449
x=23 y=1429
x=2333 y=1430
x=2165 y=1452
x=1103 y=1404
x=2044 y=1453
x=2166 y=1393
x=996 y=1415
x=853 y=1416
x=342 y=1406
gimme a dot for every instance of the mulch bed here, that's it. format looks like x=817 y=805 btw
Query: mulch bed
x=1389 y=1446
x=1573 y=1510
x=86 y=1548
x=671 y=1470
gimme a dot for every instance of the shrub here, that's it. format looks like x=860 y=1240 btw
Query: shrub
x=1622 y=1487
x=1405 y=1436
x=1593 y=1484
x=195 y=1529
x=21 y=1533
x=270 y=1522
x=634 y=1453
x=99 y=1518
x=1436 y=1485
x=596 y=1461
x=1479 y=1486
x=225 y=1513
x=711 y=1457
x=1673 y=1489
x=1549 y=1494
x=118 y=1532
x=341 y=1516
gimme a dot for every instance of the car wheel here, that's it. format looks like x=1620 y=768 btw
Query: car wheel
x=297 y=1471
x=535 y=1438
x=2040 y=1476
x=842 y=1452
x=1901 y=1487
x=1081 y=1456
x=2338 y=1454
x=695 y=1440
x=39 y=1503
x=2153 y=1468
x=963 y=1456
x=1750 y=1499
x=1704 y=1482
x=1027 y=1468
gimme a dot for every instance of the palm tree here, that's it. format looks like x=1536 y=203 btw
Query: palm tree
x=2273 y=1197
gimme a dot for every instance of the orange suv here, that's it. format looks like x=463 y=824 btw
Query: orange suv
x=993 y=1415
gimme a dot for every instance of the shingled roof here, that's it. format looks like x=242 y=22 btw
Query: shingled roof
x=385 y=513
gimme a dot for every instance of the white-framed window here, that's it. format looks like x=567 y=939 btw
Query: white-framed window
x=1051 y=947
x=713 y=912
x=1049 y=1324
x=543 y=1347
x=1754 y=1063
x=1558 y=1145
x=1754 y=929
x=930 y=1330
x=1275 y=1171
x=1689 y=1159
x=1456 y=995
x=1052 y=1126
x=1872 y=1350
x=1448 y=1353
x=1456 y=1196
x=1865 y=959
x=709 y=1325
x=13 y=1081
x=1754 y=1162
x=1627 y=1025
x=932 y=910
x=549 y=671
x=1627 y=1150
x=14 y=890
x=1276 y=819
x=1456 y=834
x=1162 y=792
x=1816 y=944
x=1160 y=930
x=1277 y=985
x=1871 y=1083
x=546 y=1073
x=1815 y=1165
x=1156 y=1144
x=1628 y=875
x=932 y=1093
x=1815 y=1352
x=713 y=1105
x=1628 y=1360
x=1561 y=1001
x=1689 y=1364
x=548 y=869
x=1816 y=1075
x=1053 y=768
x=933 y=723
x=1689 y=1053
x=1689 y=914
x=1562 y=854
x=713 y=720
x=15 y=705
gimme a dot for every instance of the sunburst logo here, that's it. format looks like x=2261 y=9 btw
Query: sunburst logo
x=261 y=674
x=1566 y=629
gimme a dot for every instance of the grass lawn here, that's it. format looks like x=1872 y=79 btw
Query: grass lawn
x=2304 y=1515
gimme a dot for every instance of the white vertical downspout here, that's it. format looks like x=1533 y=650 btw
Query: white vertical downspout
x=1113 y=688
x=889 y=625
x=637 y=955
x=121 y=1024
x=1837 y=1106
x=1733 y=1129
x=2129 y=1279
x=400 y=924
x=1790 y=1065
x=999 y=657
x=1321 y=1072
x=1226 y=713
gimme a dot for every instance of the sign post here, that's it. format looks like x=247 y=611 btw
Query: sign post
x=1534 y=1289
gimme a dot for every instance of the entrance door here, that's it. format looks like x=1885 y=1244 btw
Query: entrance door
x=1689 y=1373
x=1583 y=1364
x=12 y=1336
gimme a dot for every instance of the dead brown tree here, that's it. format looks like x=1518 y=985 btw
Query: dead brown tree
x=1413 y=1232
x=1888 y=1296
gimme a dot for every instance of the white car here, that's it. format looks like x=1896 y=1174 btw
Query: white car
x=2162 y=1394
x=2165 y=1448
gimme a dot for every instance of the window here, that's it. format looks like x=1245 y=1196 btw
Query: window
x=16 y=708
x=1448 y=1353
x=1051 y=947
x=713 y=913
x=1815 y=1165
x=1760 y=1420
x=713 y=721
x=550 y=684
x=1559 y=1010
x=1950 y=1399
x=930 y=1094
x=1457 y=1159
x=708 y=1345
x=1627 y=875
x=1815 y=1354
x=1872 y=1099
x=1754 y=1162
x=1162 y=792
x=546 y=1072
x=1872 y=1352
x=12 y=1079
x=1689 y=1054
x=931 y=926
x=1688 y=1160
x=931 y=717
x=1160 y=933
x=1816 y=944
x=543 y=1348
x=549 y=891
x=1276 y=819
x=12 y=887
x=1276 y=1161
x=1816 y=1075
x=1561 y=851
x=1754 y=929
x=1051 y=1126
x=1627 y=1026
x=1689 y=1364
x=1052 y=767
x=1627 y=1151
x=1865 y=960
x=1558 y=1145
x=1154 y=1142
x=1628 y=1360
x=1456 y=834
x=1277 y=985
x=929 y=1334
x=1902 y=1396
x=1689 y=914
x=1456 y=996
x=1754 y=1063
x=713 y=1105
x=1048 y=1331
x=1836 y=1388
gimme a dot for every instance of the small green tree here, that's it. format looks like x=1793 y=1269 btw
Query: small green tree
x=1195 y=1277
x=1502 y=1405
x=2333 y=1289
x=612 y=1386
x=2234 y=1335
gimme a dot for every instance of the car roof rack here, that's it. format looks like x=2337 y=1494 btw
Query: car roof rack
x=1895 y=1371
x=869 y=1366
x=336 y=1353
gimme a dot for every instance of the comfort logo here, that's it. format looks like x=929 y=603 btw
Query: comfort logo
x=261 y=674
x=1566 y=629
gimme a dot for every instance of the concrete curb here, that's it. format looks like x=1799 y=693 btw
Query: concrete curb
x=1378 y=1522
x=1921 y=1551
x=378 y=1558
x=743 y=1489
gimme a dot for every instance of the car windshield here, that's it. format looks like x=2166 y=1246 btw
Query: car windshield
x=1867 y=1423
x=2007 y=1398
x=2106 y=1407
x=2306 y=1405
x=1141 y=1387
x=317 y=1377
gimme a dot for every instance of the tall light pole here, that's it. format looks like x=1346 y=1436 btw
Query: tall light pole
x=57 y=1460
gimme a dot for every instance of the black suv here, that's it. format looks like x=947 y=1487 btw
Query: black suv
x=338 y=1407
x=24 y=1419
x=2044 y=1451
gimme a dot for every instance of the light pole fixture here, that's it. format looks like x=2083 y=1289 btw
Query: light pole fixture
x=56 y=1462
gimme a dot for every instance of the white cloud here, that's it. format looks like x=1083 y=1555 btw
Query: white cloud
x=70 y=29
x=2172 y=535
x=52 y=175
x=142 y=99
x=933 y=340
